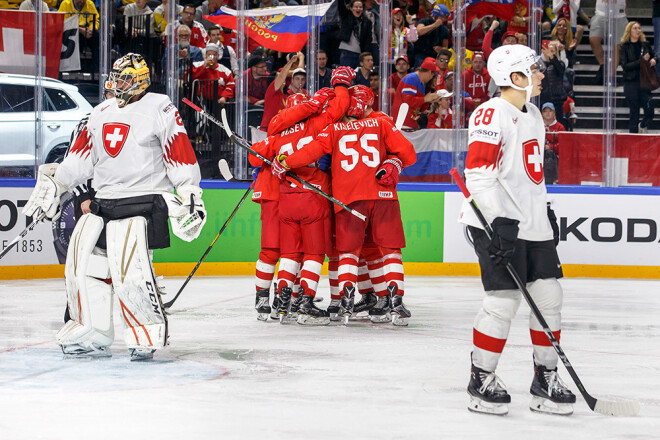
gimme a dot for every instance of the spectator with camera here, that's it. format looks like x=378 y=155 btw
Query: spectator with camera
x=553 y=89
x=635 y=50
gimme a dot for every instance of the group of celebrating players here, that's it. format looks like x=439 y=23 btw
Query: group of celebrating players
x=338 y=144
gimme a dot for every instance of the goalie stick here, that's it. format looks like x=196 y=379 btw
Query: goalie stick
x=243 y=143
x=608 y=408
x=168 y=304
x=37 y=219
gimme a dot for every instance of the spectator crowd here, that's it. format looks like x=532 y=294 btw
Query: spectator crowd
x=420 y=55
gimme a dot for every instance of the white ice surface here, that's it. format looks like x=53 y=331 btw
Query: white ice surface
x=228 y=376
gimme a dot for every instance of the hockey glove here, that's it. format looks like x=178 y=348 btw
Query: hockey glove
x=255 y=172
x=46 y=194
x=324 y=162
x=502 y=244
x=187 y=212
x=320 y=98
x=277 y=168
x=388 y=173
x=553 y=223
x=342 y=76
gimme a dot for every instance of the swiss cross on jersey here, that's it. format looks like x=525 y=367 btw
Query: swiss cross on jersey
x=114 y=137
x=533 y=160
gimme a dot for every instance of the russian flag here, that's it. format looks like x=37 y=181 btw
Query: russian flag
x=502 y=9
x=283 y=28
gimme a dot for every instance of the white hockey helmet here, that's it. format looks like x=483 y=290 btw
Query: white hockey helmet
x=513 y=58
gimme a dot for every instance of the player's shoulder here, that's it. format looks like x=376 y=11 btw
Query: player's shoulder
x=158 y=101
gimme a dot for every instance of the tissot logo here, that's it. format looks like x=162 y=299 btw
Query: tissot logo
x=609 y=229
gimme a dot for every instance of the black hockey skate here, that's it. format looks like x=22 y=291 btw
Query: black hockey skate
x=347 y=303
x=276 y=304
x=308 y=313
x=334 y=310
x=366 y=303
x=549 y=393
x=261 y=304
x=487 y=393
x=381 y=311
x=284 y=303
x=399 y=312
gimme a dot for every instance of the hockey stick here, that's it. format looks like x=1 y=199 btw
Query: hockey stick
x=227 y=175
x=401 y=116
x=168 y=304
x=243 y=143
x=608 y=408
x=38 y=218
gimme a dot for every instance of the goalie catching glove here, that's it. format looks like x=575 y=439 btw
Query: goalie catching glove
x=187 y=212
x=46 y=194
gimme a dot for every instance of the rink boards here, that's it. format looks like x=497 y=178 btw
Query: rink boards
x=605 y=232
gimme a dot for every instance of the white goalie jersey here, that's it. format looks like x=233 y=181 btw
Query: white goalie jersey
x=139 y=149
x=504 y=168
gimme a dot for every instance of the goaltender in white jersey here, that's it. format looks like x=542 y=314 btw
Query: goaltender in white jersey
x=136 y=150
x=504 y=174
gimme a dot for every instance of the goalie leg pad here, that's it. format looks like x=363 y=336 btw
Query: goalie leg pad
x=89 y=292
x=145 y=323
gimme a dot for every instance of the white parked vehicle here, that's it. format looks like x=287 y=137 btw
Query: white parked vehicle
x=63 y=108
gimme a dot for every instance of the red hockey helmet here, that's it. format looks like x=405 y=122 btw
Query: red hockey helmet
x=362 y=97
x=295 y=99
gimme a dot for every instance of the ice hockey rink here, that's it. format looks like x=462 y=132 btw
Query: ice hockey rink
x=226 y=375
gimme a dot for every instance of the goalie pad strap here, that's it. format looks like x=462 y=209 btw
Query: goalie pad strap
x=145 y=323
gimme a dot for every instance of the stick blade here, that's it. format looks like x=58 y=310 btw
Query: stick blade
x=616 y=409
x=223 y=166
x=225 y=123
x=401 y=116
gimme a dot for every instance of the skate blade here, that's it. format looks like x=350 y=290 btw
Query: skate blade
x=480 y=406
x=311 y=320
x=379 y=319
x=360 y=315
x=547 y=406
x=335 y=317
x=87 y=356
x=318 y=299
x=399 y=321
x=263 y=316
x=345 y=318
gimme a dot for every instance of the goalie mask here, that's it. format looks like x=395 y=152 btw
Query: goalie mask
x=514 y=58
x=362 y=97
x=129 y=78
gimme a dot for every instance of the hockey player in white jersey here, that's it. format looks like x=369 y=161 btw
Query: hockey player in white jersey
x=136 y=149
x=504 y=174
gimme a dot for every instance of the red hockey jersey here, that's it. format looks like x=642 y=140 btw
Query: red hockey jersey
x=358 y=149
